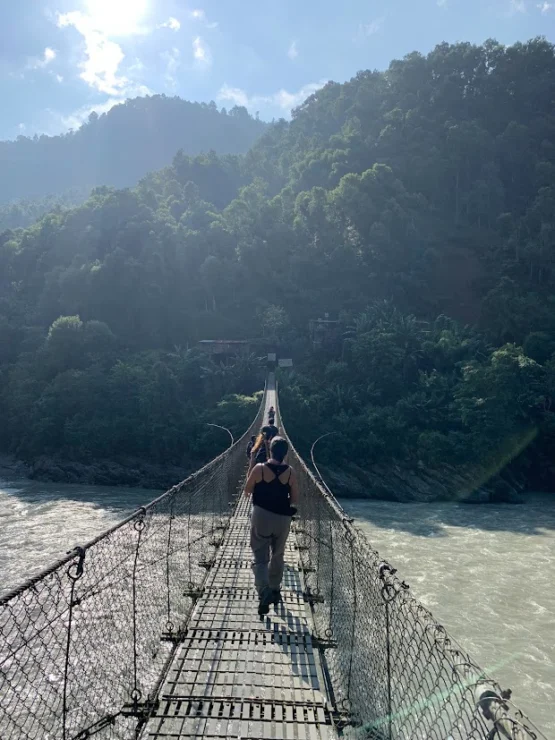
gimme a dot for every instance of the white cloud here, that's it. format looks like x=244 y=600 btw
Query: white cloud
x=282 y=99
x=137 y=67
x=517 y=6
x=293 y=51
x=102 y=55
x=199 y=15
x=104 y=20
x=545 y=7
x=137 y=89
x=172 y=59
x=442 y=3
x=201 y=53
x=365 y=30
x=172 y=23
x=287 y=101
x=59 y=78
x=234 y=95
x=78 y=117
x=48 y=56
x=21 y=127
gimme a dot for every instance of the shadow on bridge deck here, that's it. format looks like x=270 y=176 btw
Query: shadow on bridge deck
x=151 y=631
x=238 y=675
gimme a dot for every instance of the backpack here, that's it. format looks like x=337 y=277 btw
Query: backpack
x=262 y=453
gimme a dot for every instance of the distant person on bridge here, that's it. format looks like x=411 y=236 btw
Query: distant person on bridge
x=271 y=415
x=261 y=450
x=275 y=492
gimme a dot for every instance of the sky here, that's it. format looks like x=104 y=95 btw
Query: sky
x=62 y=59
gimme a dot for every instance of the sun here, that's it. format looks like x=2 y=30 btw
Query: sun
x=116 y=17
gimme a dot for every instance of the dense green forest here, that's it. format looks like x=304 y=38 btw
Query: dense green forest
x=118 y=148
x=417 y=205
x=18 y=214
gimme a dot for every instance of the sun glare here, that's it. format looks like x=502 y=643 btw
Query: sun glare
x=116 y=17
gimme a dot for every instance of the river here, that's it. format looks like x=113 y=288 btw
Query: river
x=488 y=575
x=486 y=572
x=40 y=522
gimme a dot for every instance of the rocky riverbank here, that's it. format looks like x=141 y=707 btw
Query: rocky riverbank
x=393 y=483
x=12 y=468
x=124 y=472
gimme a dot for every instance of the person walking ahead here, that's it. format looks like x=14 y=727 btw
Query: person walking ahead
x=260 y=452
x=275 y=493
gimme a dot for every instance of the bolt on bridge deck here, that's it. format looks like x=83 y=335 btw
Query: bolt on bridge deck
x=238 y=675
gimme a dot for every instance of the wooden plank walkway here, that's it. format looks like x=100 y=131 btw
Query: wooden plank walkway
x=238 y=675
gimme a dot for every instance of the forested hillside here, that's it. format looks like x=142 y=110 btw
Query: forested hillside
x=417 y=205
x=121 y=146
x=19 y=214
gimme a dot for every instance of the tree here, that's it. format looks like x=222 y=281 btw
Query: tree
x=274 y=321
x=416 y=204
x=64 y=342
x=213 y=275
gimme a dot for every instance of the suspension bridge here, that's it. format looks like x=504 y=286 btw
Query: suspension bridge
x=151 y=632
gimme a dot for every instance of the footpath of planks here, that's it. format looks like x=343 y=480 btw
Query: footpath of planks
x=238 y=675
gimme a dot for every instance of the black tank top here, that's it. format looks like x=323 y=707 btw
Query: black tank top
x=273 y=495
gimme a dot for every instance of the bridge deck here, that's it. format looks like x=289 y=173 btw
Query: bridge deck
x=238 y=675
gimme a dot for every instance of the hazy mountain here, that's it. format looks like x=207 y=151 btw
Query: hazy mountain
x=119 y=147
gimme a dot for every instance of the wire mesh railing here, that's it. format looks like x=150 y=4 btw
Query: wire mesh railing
x=85 y=645
x=394 y=672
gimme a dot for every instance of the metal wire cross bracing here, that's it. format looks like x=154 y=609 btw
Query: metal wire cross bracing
x=394 y=671
x=84 y=645
x=88 y=647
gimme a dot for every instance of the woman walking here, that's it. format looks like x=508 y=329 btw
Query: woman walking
x=260 y=452
x=275 y=492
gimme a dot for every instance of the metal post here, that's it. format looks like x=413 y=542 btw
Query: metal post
x=320 y=479
x=74 y=572
x=225 y=430
x=228 y=480
x=388 y=658
x=350 y=537
x=388 y=593
x=139 y=526
x=329 y=631
x=169 y=623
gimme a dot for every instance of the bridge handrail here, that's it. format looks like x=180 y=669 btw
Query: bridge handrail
x=136 y=513
x=85 y=643
x=389 y=685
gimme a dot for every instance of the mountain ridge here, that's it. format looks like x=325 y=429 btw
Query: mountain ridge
x=119 y=147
